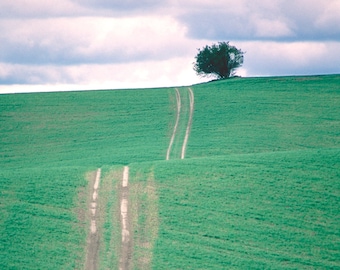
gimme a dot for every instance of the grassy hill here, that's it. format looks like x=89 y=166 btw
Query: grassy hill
x=258 y=188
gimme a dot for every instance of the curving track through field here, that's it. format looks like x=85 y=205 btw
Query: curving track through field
x=187 y=132
x=182 y=103
x=184 y=112
x=178 y=100
x=93 y=240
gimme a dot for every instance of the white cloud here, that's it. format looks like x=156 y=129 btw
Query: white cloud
x=298 y=20
x=92 y=39
x=115 y=44
x=33 y=74
x=41 y=9
x=329 y=19
x=174 y=72
x=289 y=58
x=265 y=28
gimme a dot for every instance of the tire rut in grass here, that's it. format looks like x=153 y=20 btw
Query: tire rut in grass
x=178 y=101
x=126 y=244
x=188 y=129
x=92 y=249
x=182 y=127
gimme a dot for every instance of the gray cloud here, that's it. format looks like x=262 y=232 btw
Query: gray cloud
x=74 y=8
x=75 y=41
x=82 y=40
x=299 y=20
x=126 y=5
x=23 y=74
x=24 y=9
x=291 y=58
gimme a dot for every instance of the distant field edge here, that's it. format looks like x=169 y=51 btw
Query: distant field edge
x=4 y=90
x=284 y=77
x=8 y=91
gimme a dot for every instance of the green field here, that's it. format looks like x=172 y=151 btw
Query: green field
x=259 y=187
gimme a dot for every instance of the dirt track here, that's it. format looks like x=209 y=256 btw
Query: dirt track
x=187 y=132
x=126 y=245
x=189 y=124
x=178 y=100
x=125 y=254
x=93 y=238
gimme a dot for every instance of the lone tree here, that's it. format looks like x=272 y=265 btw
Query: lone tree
x=219 y=60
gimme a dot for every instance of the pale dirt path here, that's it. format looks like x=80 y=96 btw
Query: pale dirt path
x=94 y=202
x=178 y=99
x=126 y=248
x=187 y=132
x=188 y=128
x=126 y=245
x=93 y=239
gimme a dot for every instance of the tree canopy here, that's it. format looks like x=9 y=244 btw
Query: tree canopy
x=220 y=60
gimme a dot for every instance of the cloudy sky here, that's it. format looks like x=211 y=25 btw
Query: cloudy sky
x=107 y=44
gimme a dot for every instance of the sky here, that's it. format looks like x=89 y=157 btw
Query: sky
x=60 y=45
